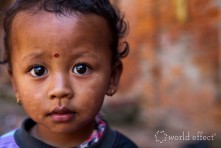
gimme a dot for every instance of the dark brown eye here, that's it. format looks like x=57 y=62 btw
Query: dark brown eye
x=38 y=71
x=81 y=69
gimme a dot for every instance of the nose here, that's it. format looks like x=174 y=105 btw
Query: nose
x=60 y=87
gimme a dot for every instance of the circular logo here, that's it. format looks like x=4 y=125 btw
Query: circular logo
x=161 y=136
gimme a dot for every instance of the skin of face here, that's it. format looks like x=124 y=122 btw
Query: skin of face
x=79 y=39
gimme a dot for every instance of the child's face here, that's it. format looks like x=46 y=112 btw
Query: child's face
x=62 y=63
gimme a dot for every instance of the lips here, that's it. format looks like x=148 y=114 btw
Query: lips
x=62 y=114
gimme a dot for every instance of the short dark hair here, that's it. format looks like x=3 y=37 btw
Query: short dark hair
x=117 y=24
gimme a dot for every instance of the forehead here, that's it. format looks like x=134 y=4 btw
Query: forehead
x=28 y=16
x=28 y=22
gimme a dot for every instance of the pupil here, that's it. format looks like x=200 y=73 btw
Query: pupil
x=81 y=69
x=39 y=70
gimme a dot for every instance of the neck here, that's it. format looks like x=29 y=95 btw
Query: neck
x=62 y=139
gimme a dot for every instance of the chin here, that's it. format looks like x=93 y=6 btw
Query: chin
x=63 y=129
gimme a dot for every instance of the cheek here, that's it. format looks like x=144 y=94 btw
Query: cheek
x=31 y=107
x=28 y=93
x=91 y=94
x=30 y=97
x=30 y=100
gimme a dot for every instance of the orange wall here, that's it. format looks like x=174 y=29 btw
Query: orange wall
x=174 y=60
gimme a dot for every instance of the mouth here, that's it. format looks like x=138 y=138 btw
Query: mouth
x=62 y=114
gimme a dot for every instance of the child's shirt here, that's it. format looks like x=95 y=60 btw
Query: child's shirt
x=102 y=137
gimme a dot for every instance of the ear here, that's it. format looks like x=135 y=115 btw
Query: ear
x=10 y=73
x=115 y=78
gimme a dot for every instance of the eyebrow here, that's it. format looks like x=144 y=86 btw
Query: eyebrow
x=87 y=54
x=36 y=55
x=33 y=55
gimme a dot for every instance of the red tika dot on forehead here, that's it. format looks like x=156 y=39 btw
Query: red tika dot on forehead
x=56 y=55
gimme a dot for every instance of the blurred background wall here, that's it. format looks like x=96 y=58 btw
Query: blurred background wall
x=174 y=64
x=172 y=76
x=173 y=71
